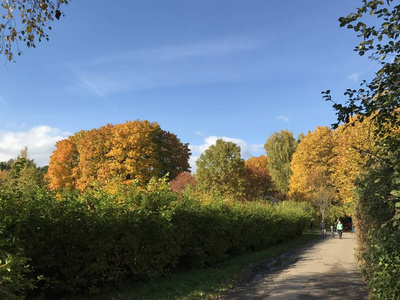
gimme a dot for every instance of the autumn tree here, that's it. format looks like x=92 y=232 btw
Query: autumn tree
x=62 y=172
x=173 y=155
x=28 y=22
x=182 y=181
x=120 y=154
x=259 y=184
x=220 y=169
x=279 y=148
x=354 y=145
x=311 y=169
x=93 y=146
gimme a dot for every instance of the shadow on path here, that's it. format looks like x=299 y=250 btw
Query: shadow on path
x=325 y=269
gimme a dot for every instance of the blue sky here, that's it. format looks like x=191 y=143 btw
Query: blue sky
x=204 y=69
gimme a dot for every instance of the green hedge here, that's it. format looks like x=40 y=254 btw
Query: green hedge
x=80 y=241
x=378 y=230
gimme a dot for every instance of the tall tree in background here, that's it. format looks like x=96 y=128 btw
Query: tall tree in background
x=93 y=146
x=26 y=21
x=280 y=147
x=354 y=145
x=110 y=155
x=62 y=172
x=173 y=155
x=220 y=169
x=311 y=169
x=259 y=184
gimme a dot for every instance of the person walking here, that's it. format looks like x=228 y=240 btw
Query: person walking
x=332 y=231
x=323 y=228
x=340 y=229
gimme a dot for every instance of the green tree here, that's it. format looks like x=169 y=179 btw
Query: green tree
x=280 y=147
x=220 y=169
x=22 y=173
x=26 y=21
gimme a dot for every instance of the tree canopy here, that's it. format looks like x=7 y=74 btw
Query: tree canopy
x=259 y=184
x=311 y=169
x=280 y=147
x=112 y=154
x=220 y=169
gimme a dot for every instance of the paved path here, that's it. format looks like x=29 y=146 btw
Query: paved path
x=326 y=270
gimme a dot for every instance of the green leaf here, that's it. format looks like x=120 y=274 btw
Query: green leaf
x=395 y=193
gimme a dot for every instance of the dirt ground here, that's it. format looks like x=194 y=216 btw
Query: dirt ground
x=325 y=269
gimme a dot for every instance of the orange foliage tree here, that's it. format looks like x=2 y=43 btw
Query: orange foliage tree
x=93 y=147
x=259 y=184
x=63 y=165
x=133 y=151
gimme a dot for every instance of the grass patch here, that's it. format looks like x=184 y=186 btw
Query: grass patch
x=207 y=283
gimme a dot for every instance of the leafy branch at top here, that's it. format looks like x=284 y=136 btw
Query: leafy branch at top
x=26 y=21
x=379 y=98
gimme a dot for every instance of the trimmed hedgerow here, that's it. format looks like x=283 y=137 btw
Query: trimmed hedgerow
x=76 y=242
x=378 y=230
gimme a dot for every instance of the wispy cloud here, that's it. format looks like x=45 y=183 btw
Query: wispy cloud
x=207 y=49
x=40 y=141
x=246 y=150
x=257 y=148
x=3 y=101
x=283 y=118
x=353 y=77
x=199 y=133
x=173 y=65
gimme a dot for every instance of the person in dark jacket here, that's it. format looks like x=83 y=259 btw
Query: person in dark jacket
x=323 y=228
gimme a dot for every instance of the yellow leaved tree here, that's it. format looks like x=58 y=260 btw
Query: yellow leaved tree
x=311 y=169
x=135 y=151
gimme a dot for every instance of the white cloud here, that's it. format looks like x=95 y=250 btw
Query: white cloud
x=192 y=163
x=257 y=148
x=283 y=118
x=353 y=77
x=246 y=150
x=40 y=141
